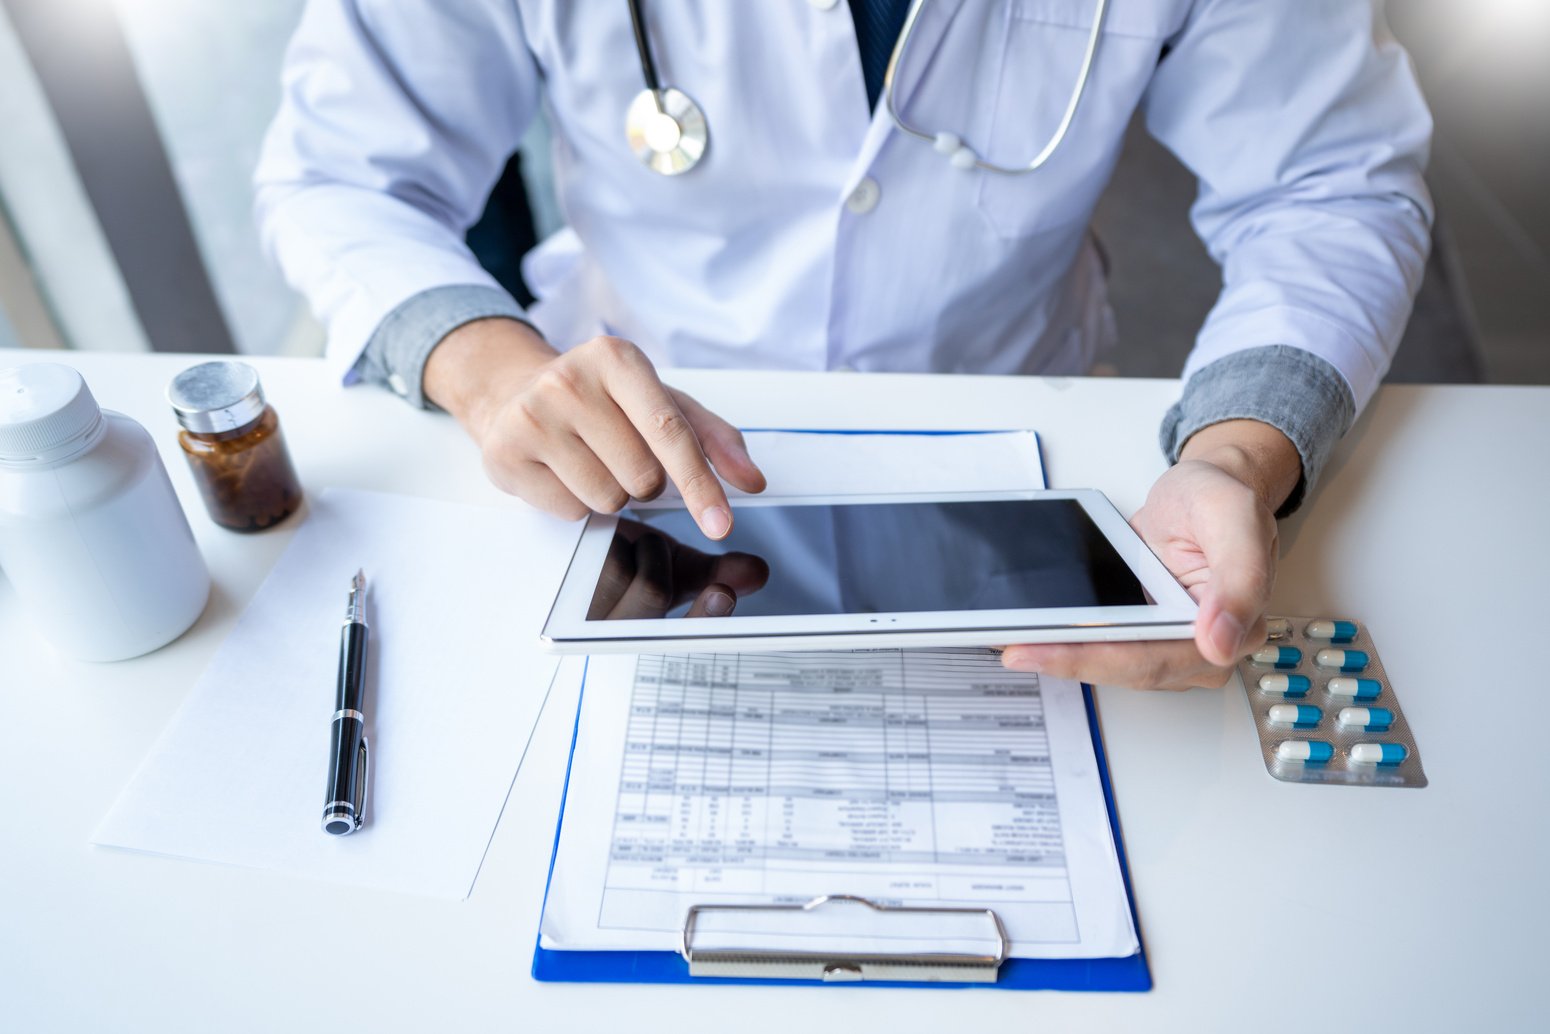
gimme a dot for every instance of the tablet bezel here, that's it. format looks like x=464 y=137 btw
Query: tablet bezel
x=1172 y=616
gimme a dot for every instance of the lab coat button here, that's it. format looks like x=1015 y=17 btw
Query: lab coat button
x=822 y=5
x=865 y=197
x=398 y=384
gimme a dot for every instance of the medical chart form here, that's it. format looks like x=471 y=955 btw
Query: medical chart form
x=910 y=777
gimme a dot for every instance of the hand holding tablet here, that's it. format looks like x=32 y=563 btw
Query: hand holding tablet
x=1218 y=536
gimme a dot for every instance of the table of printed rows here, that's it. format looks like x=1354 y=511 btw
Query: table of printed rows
x=929 y=771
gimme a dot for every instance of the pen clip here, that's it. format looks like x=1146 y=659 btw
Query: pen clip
x=362 y=775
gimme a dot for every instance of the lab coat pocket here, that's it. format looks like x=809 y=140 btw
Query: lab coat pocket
x=1040 y=53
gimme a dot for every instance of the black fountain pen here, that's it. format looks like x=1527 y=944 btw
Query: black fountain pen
x=348 y=755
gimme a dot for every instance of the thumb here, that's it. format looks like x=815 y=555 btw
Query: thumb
x=723 y=445
x=1237 y=535
x=716 y=601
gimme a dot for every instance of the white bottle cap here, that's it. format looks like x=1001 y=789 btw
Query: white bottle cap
x=46 y=413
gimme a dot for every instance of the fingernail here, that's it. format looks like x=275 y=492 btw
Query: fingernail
x=1227 y=633
x=716 y=521
x=719 y=604
x=1021 y=659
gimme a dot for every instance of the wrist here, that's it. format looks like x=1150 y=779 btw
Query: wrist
x=479 y=365
x=1255 y=453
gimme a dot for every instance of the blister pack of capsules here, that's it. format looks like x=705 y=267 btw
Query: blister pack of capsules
x=1325 y=709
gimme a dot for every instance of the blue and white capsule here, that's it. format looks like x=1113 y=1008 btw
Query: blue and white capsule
x=1348 y=661
x=1336 y=632
x=1278 y=628
x=1359 y=690
x=1309 y=752
x=1378 y=753
x=1298 y=716
x=1284 y=657
x=1367 y=719
x=1288 y=687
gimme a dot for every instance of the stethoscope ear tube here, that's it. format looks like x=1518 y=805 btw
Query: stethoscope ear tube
x=958 y=153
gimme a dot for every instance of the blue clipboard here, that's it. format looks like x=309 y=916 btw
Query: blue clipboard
x=668 y=967
x=1129 y=973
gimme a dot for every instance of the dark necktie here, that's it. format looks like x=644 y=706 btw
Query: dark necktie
x=877 y=30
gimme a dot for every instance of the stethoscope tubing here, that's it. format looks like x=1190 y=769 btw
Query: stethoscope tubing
x=648 y=62
x=958 y=153
x=890 y=94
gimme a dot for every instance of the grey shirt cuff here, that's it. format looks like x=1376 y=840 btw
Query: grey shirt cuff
x=402 y=343
x=1291 y=389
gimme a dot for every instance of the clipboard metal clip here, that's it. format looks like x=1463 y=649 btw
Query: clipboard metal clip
x=833 y=967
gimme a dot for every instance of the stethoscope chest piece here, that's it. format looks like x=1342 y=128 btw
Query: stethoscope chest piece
x=666 y=130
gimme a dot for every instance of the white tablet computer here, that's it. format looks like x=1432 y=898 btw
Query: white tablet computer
x=968 y=569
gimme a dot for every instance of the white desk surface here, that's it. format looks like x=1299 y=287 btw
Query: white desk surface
x=1263 y=905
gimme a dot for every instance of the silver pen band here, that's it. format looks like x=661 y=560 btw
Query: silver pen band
x=348 y=712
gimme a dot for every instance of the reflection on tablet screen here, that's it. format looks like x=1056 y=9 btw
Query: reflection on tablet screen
x=862 y=559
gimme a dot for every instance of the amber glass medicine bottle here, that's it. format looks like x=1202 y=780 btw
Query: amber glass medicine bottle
x=231 y=438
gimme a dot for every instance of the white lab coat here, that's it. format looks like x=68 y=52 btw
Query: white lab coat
x=814 y=234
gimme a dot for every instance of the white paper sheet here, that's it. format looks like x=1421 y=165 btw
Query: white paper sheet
x=808 y=463
x=456 y=597
x=922 y=778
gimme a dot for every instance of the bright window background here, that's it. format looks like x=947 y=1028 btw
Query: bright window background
x=210 y=70
x=8 y=338
x=56 y=232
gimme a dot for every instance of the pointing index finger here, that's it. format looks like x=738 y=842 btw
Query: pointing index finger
x=667 y=432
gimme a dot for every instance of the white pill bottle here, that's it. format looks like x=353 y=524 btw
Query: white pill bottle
x=91 y=534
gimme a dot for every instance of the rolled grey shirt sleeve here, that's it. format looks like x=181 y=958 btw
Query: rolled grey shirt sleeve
x=1291 y=389
x=399 y=348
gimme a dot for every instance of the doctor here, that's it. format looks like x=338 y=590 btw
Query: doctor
x=755 y=185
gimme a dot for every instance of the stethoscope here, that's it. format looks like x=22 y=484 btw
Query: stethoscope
x=668 y=132
x=665 y=128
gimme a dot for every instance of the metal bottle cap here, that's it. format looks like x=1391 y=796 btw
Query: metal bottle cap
x=46 y=412
x=216 y=396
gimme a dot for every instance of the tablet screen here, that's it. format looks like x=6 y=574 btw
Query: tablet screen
x=863 y=558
